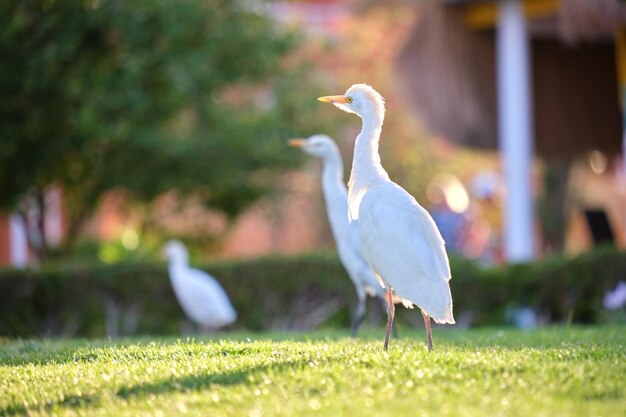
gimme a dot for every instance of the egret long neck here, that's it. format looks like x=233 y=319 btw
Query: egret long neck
x=177 y=264
x=366 y=167
x=335 y=195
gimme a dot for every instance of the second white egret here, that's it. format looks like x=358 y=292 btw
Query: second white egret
x=346 y=234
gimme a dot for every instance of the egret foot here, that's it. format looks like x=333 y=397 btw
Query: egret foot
x=429 y=334
x=391 y=310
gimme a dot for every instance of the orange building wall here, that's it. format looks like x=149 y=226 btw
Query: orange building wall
x=5 y=252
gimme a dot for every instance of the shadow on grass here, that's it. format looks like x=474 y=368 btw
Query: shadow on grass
x=204 y=381
x=181 y=384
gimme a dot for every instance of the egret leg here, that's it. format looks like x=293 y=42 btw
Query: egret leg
x=359 y=315
x=394 y=328
x=391 y=310
x=429 y=334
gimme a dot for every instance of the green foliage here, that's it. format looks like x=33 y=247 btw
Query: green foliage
x=560 y=288
x=551 y=372
x=147 y=95
x=275 y=293
x=72 y=299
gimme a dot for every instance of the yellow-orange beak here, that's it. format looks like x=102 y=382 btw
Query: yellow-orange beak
x=298 y=143
x=334 y=99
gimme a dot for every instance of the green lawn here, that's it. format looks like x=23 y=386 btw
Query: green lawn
x=487 y=372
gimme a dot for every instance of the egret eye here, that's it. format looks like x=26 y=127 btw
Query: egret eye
x=349 y=99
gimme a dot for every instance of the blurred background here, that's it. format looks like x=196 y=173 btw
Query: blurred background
x=125 y=124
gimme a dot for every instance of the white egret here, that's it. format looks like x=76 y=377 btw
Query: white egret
x=346 y=234
x=200 y=296
x=399 y=238
x=615 y=299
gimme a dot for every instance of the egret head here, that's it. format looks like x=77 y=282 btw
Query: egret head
x=319 y=146
x=175 y=251
x=362 y=100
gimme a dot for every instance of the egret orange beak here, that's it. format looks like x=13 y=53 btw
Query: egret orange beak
x=298 y=143
x=335 y=99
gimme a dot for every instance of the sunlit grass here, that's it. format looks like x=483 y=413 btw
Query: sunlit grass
x=486 y=372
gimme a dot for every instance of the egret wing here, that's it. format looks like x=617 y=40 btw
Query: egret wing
x=404 y=246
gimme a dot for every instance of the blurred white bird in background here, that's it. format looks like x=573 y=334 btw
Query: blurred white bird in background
x=346 y=234
x=399 y=238
x=615 y=299
x=200 y=296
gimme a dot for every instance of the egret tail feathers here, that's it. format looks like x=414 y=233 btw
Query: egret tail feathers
x=446 y=320
x=435 y=300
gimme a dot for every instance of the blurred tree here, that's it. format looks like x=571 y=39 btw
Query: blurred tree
x=147 y=96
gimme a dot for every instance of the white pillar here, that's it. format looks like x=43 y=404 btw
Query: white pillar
x=18 y=242
x=515 y=130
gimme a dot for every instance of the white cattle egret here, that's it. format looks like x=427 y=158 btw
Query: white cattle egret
x=201 y=297
x=346 y=234
x=399 y=239
x=615 y=299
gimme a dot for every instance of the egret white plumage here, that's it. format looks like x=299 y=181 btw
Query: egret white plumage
x=200 y=296
x=399 y=238
x=345 y=233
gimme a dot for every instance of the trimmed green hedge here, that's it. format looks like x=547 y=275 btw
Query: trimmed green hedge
x=76 y=299
x=72 y=300
x=561 y=289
